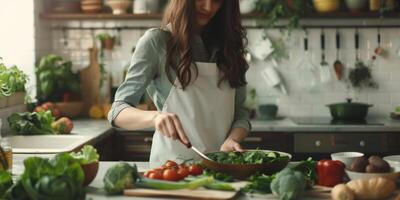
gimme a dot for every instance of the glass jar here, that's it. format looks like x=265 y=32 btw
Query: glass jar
x=5 y=152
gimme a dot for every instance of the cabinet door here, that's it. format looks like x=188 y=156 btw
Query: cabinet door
x=134 y=146
x=268 y=141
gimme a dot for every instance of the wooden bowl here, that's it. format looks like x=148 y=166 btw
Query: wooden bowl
x=70 y=109
x=242 y=171
x=90 y=171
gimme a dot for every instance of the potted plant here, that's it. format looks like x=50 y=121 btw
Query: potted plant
x=273 y=10
x=12 y=85
x=56 y=82
x=107 y=41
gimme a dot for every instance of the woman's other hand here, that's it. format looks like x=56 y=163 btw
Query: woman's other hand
x=169 y=125
x=231 y=145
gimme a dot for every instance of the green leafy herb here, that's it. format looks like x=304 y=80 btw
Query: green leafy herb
x=308 y=168
x=55 y=78
x=87 y=155
x=219 y=175
x=247 y=157
x=259 y=183
x=11 y=80
x=5 y=182
x=35 y=123
x=58 y=178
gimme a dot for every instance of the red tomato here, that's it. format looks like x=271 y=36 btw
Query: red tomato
x=155 y=175
x=170 y=163
x=195 y=170
x=171 y=175
x=183 y=172
x=146 y=174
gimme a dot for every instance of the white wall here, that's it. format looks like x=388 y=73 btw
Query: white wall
x=298 y=102
x=17 y=44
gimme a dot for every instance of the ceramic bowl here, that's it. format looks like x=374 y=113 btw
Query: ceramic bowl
x=394 y=162
x=356 y=5
x=346 y=157
x=119 y=6
x=268 y=110
x=90 y=171
x=358 y=175
x=325 y=6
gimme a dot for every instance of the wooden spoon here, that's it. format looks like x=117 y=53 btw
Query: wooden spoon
x=338 y=65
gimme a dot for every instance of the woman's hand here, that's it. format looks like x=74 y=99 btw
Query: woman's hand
x=169 y=125
x=231 y=145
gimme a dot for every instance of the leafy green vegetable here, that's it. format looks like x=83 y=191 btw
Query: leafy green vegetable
x=218 y=175
x=35 y=123
x=308 y=168
x=288 y=184
x=259 y=183
x=219 y=185
x=247 y=157
x=87 y=155
x=55 y=77
x=58 y=178
x=11 y=80
x=5 y=182
x=119 y=177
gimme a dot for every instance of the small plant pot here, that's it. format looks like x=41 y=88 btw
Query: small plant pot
x=108 y=43
x=16 y=99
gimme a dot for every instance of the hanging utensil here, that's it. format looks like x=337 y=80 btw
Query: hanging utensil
x=378 y=50
x=308 y=77
x=64 y=32
x=338 y=65
x=325 y=73
x=357 y=45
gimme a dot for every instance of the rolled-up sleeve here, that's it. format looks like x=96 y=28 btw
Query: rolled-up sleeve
x=143 y=68
x=241 y=118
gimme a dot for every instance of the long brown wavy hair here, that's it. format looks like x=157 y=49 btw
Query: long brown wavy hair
x=224 y=30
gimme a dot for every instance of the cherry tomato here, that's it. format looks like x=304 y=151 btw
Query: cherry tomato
x=146 y=174
x=155 y=175
x=195 y=170
x=170 y=163
x=183 y=172
x=171 y=175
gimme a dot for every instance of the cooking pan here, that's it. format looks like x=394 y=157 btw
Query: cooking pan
x=242 y=171
x=349 y=110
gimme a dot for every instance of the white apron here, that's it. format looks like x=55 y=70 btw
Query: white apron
x=206 y=112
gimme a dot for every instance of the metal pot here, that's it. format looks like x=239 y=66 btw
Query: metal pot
x=349 y=110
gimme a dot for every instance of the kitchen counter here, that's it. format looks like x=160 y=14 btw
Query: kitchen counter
x=95 y=189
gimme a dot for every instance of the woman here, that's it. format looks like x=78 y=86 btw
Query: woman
x=194 y=70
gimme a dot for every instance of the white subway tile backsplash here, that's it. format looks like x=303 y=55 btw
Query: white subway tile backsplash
x=299 y=102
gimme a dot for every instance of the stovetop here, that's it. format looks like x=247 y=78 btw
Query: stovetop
x=330 y=121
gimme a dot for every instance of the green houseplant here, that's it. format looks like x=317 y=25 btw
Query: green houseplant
x=12 y=85
x=273 y=10
x=56 y=82
x=107 y=41
x=55 y=79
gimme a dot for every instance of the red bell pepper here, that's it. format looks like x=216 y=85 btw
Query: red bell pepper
x=330 y=172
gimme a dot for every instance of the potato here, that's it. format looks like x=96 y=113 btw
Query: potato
x=372 y=169
x=359 y=164
x=379 y=163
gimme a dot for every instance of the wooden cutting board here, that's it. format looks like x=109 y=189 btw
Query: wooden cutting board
x=184 y=193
